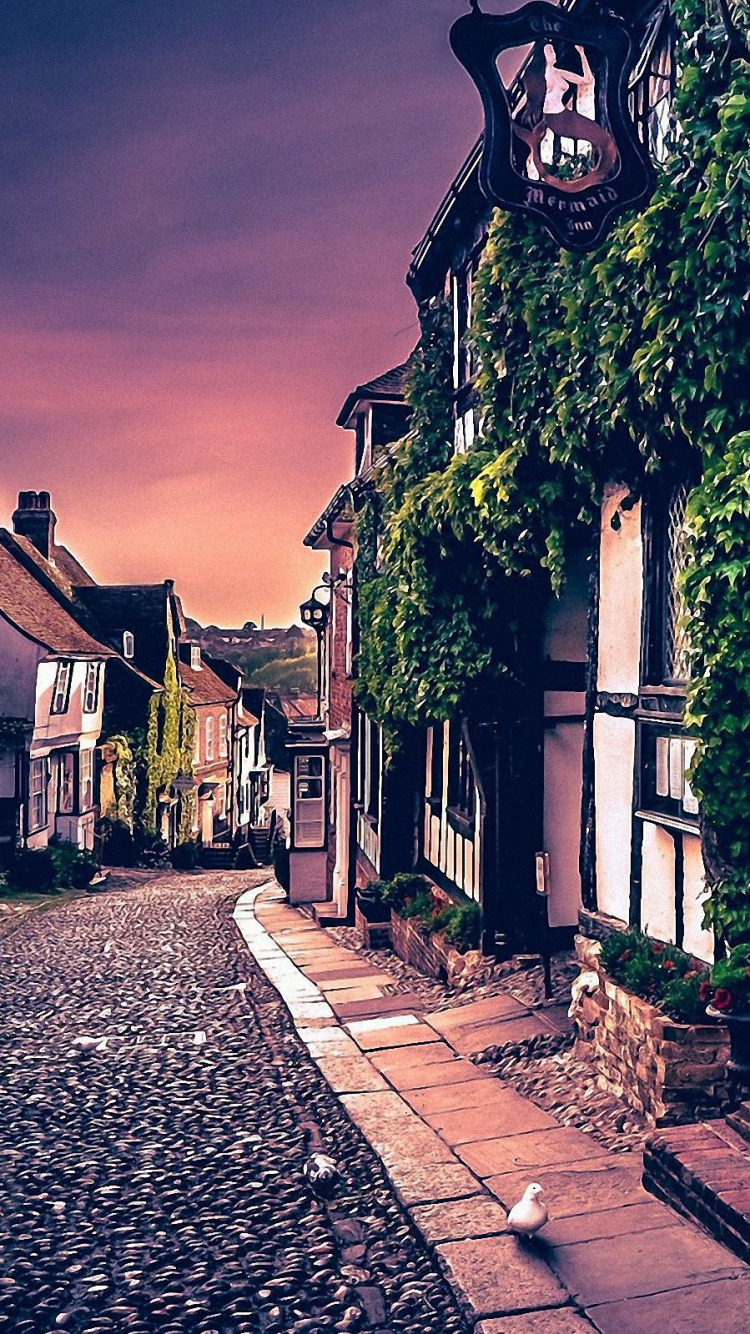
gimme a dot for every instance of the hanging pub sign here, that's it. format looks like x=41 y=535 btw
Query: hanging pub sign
x=559 y=141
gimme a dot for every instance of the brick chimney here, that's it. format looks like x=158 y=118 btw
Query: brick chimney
x=34 y=520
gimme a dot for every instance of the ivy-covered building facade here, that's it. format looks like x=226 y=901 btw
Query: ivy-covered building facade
x=551 y=573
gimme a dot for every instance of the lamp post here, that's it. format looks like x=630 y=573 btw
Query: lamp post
x=315 y=614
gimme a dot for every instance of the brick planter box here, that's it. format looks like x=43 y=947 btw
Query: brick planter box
x=672 y=1073
x=433 y=955
x=375 y=935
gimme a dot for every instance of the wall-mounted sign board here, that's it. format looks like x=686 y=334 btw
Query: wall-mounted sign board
x=559 y=141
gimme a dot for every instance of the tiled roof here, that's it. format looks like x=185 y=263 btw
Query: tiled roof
x=390 y=384
x=205 y=686
x=25 y=602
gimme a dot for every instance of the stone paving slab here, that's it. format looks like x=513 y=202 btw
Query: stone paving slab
x=457 y=1220
x=416 y=1183
x=350 y=1074
x=382 y=1005
x=613 y=1181
x=708 y=1308
x=493 y=1033
x=499 y=1275
x=608 y=1223
x=427 y=1074
x=561 y=1321
x=449 y=1021
x=509 y=1114
x=613 y=1268
x=538 y=1148
x=411 y=1035
x=468 y=1094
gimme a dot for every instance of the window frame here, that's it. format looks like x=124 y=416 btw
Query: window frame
x=462 y=788
x=223 y=737
x=128 y=645
x=67 y=782
x=655 y=675
x=91 y=688
x=210 y=739
x=40 y=767
x=86 y=787
x=663 y=807
x=60 y=702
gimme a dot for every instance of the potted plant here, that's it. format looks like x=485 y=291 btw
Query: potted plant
x=727 y=993
x=371 y=902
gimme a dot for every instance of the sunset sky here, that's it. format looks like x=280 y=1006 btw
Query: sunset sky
x=207 y=210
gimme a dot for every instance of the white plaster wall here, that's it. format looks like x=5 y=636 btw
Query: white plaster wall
x=696 y=940
x=307 y=877
x=620 y=597
x=563 y=758
x=658 y=916
x=614 y=751
x=51 y=729
x=19 y=657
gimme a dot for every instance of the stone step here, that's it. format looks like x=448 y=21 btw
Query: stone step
x=703 y=1171
x=739 y=1120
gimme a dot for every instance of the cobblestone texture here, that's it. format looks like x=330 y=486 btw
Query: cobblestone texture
x=157 y=1187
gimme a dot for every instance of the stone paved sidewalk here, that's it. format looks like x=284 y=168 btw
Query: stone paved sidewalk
x=459 y=1147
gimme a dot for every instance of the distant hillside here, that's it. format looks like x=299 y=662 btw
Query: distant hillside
x=280 y=659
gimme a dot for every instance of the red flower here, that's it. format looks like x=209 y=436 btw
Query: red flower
x=706 y=991
x=657 y=947
x=623 y=958
x=747 y=971
x=668 y=966
x=722 y=999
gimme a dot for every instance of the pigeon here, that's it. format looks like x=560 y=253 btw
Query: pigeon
x=530 y=1214
x=322 y=1173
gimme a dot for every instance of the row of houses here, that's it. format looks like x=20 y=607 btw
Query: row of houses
x=564 y=800
x=110 y=711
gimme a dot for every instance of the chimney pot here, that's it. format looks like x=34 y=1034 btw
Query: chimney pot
x=34 y=520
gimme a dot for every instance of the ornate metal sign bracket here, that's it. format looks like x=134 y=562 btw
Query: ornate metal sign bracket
x=559 y=140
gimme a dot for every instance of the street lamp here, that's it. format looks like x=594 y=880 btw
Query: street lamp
x=315 y=614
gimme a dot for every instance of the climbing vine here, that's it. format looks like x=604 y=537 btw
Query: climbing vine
x=606 y=366
x=169 y=744
x=125 y=780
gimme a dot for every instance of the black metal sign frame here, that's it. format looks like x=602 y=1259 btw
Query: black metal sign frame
x=577 y=213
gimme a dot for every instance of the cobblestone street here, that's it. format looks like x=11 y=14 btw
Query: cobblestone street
x=157 y=1185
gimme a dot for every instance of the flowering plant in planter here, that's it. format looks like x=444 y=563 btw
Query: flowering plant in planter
x=727 y=990
x=661 y=974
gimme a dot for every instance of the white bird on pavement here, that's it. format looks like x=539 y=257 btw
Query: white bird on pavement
x=86 y=1044
x=530 y=1214
x=322 y=1173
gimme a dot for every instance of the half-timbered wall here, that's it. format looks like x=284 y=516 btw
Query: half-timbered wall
x=649 y=869
x=451 y=836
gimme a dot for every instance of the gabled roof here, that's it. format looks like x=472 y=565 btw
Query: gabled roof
x=334 y=510
x=205 y=686
x=26 y=603
x=388 y=387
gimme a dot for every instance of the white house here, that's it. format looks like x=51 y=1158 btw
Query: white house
x=51 y=703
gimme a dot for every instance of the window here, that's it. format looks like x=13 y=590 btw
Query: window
x=197 y=745
x=66 y=782
x=87 y=780
x=91 y=688
x=128 y=644
x=195 y=657
x=61 y=691
x=210 y=732
x=652 y=88
x=461 y=788
x=223 y=736
x=373 y=796
x=309 y=802
x=667 y=650
x=435 y=738
x=37 y=795
x=666 y=755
